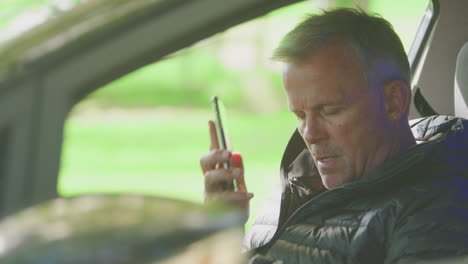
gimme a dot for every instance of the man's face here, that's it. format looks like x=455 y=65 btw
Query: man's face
x=341 y=119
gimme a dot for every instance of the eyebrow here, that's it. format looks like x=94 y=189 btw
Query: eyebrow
x=321 y=105
x=330 y=103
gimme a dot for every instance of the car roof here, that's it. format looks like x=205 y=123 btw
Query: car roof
x=94 y=21
x=60 y=32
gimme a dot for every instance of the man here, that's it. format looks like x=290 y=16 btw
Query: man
x=356 y=188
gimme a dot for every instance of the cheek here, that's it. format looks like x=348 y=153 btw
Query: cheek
x=300 y=127
x=349 y=136
x=343 y=136
x=356 y=126
x=357 y=139
x=340 y=129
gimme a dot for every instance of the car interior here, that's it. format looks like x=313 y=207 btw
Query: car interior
x=47 y=71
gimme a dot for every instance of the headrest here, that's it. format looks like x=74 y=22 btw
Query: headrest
x=461 y=83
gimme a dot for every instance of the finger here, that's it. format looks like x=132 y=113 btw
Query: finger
x=236 y=161
x=216 y=156
x=230 y=196
x=215 y=179
x=213 y=135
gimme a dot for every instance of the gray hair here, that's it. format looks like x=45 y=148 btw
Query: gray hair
x=371 y=38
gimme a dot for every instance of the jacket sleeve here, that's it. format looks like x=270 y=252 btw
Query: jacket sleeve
x=266 y=222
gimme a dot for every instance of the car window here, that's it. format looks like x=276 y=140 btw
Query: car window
x=146 y=131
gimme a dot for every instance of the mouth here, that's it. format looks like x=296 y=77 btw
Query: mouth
x=324 y=157
x=326 y=161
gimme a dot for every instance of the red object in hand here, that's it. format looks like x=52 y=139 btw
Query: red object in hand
x=236 y=160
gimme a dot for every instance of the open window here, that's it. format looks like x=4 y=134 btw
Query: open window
x=145 y=131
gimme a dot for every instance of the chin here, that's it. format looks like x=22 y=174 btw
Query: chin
x=330 y=184
x=332 y=181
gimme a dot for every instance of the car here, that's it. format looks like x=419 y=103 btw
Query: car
x=47 y=71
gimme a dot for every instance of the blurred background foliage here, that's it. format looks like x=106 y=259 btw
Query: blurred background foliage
x=235 y=65
x=145 y=132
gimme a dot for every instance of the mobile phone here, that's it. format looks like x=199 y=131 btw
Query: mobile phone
x=223 y=136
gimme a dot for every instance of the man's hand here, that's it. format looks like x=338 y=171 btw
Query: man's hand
x=216 y=176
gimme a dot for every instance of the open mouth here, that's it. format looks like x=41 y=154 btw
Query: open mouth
x=326 y=161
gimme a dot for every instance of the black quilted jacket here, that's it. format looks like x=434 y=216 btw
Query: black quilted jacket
x=411 y=209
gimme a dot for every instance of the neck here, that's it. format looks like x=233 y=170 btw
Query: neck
x=404 y=138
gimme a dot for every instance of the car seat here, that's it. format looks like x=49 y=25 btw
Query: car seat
x=461 y=83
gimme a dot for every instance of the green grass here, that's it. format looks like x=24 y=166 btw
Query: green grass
x=159 y=155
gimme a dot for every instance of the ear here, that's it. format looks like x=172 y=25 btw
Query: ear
x=396 y=99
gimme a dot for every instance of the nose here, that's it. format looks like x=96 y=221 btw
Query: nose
x=313 y=131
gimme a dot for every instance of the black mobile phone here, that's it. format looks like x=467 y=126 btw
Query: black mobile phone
x=223 y=136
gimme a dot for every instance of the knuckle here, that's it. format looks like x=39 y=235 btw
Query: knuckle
x=210 y=159
x=206 y=159
x=216 y=176
x=203 y=160
x=208 y=174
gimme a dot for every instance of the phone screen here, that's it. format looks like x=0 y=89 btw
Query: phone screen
x=221 y=131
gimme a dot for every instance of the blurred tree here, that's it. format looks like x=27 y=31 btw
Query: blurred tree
x=364 y=4
x=17 y=16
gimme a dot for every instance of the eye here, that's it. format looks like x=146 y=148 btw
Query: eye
x=331 y=110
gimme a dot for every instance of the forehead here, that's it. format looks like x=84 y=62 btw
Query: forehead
x=336 y=58
x=332 y=74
